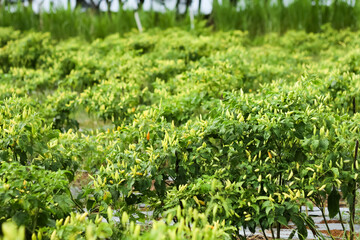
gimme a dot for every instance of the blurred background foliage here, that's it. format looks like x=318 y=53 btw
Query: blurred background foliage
x=92 y=19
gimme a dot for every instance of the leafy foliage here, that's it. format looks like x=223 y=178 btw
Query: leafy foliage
x=212 y=136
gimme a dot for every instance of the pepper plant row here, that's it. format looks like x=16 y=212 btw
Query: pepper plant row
x=213 y=132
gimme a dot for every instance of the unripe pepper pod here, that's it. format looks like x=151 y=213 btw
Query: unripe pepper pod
x=39 y=235
x=53 y=235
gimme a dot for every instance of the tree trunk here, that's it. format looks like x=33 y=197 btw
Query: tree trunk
x=108 y=3
x=140 y=4
x=95 y=6
x=283 y=25
x=78 y=4
x=31 y=4
x=177 y=6
x=233 y=2
x=121 y=4
x=188 y=4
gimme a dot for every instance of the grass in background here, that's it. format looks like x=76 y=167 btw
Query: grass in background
x=263 y=16
x=255 y=16
x=90 y=25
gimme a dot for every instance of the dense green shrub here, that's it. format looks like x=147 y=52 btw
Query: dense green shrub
x=30 y=51
x=32 y=196
x=213 y=133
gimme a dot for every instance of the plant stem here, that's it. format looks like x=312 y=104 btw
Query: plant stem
x=354 y=105
x=272 y=232
x=342 y=225
x=352 y=206
x=77 y=204
x=312 y=227
x=262 y=229
x=326 y=223
x=278 y=229
x=35 y=220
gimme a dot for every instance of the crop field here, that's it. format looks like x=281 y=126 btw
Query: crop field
x=172 y=134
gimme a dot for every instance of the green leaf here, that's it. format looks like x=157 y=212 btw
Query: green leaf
x=315 y=144
x=104 y=230
x=90 y=204
x=300 y=157
x=21 y=218
x=300 y=224
x=335 y=171
x=324 y=144
x=310 y=205
x=333 y=203
x=282 y=220
x=292 y=234
x=65 y=202
x=256 y=208
x=267 y=210
x=69 y=175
